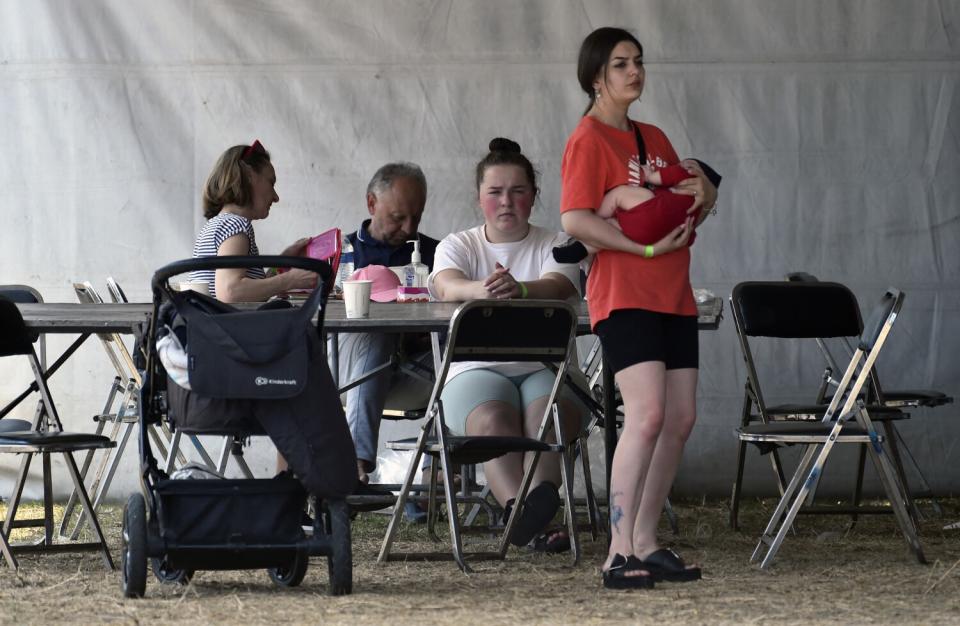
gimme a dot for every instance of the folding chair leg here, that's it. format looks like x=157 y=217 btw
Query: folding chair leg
x=47 y=500
x=100 y=489
x=593 y=509
x=471 y=517
x=453 y=515
x=737 y=487
x=17 y=492
x=782 y=519
x=232 y=448
x=671 y=517
x=777 y=465
x=109 y=460
x=432 y=512
x=566 y=469
x=566 y=474
x=890 y=436
x=402 y=498
x=88 y=457
x=224 y=457
x=925 y=489
x=170 y=462
x=204 y=456
x=858 y=487
x=896 y=493
x=468 y=474
x=8 y=552
x=518 y=506
x=88 y=507
x=161 y=438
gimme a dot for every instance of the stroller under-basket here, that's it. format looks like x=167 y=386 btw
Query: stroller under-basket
x=238 y=372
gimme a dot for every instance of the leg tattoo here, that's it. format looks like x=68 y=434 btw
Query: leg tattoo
x=616 y=511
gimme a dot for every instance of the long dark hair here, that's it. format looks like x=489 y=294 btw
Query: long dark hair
x=595 y=52
x=506 y=152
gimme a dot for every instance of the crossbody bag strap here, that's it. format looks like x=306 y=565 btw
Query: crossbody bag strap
x=641 y=146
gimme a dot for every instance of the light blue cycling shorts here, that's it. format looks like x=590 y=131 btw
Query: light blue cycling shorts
x=470 y=389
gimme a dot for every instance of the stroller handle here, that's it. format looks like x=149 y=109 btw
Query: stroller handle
x=224 y=262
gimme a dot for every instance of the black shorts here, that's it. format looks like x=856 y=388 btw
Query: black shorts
x=631 y=336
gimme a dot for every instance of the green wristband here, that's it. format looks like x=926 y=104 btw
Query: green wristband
x=648 y=252
x=524 y=292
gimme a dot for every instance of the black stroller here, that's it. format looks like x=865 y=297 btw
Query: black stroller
x=250 y=371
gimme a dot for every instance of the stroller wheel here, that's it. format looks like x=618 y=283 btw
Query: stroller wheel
x=340 y=562
x=168 y=575
x=291 y=575
x=133 y=555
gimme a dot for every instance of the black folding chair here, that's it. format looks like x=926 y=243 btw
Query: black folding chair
x=797 y=311
x=494 y=331
x=23 y=294
x=758 y=306
x=45 y=436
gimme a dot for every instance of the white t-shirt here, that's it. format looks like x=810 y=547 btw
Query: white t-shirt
x=531 y=258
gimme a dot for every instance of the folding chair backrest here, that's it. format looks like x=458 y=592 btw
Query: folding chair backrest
x=872 y=338
x=24 y=294
x=790 y=310
x=508 y=330
x=112 y=342
x=796 y=310
x=881 y=318
x=875 y=389
x=116 y=293
x=15 y=337
x=499 y=330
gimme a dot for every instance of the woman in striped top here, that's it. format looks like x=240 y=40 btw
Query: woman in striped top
x=240 y=189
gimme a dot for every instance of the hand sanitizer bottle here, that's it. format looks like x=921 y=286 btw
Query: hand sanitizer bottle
x=415 y=273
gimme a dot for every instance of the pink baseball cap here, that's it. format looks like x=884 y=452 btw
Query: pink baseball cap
x=385 y=282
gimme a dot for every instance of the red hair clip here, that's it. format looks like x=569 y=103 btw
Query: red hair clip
x=254 y=148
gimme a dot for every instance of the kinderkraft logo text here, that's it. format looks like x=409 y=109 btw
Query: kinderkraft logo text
x=260 y=381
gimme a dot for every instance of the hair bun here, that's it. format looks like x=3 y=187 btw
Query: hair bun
x=502 y=144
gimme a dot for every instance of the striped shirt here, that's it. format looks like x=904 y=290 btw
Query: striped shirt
x=218 y=229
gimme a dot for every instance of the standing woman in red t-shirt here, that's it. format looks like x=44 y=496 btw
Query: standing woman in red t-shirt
x=641 y=304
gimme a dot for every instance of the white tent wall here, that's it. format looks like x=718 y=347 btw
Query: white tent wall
x=836 y=127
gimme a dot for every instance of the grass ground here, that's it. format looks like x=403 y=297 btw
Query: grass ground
x=825 y=573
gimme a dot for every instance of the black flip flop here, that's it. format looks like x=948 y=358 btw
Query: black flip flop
x=665 y=564
x=616 y=576
x=551 y=541
x=539 y=508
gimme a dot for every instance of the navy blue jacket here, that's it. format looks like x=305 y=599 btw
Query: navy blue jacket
x=369 y=251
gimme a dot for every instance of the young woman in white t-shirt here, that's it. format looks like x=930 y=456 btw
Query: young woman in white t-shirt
x=507 y=257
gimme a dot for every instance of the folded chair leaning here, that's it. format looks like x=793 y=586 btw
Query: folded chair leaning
x=172 y=451
x=845 y=420
x=892 y=398
x=120 y=412
x=45 y=437
x=493 y=331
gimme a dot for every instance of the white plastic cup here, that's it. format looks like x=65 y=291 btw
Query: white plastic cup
x=199 y=286
x=356 y=298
